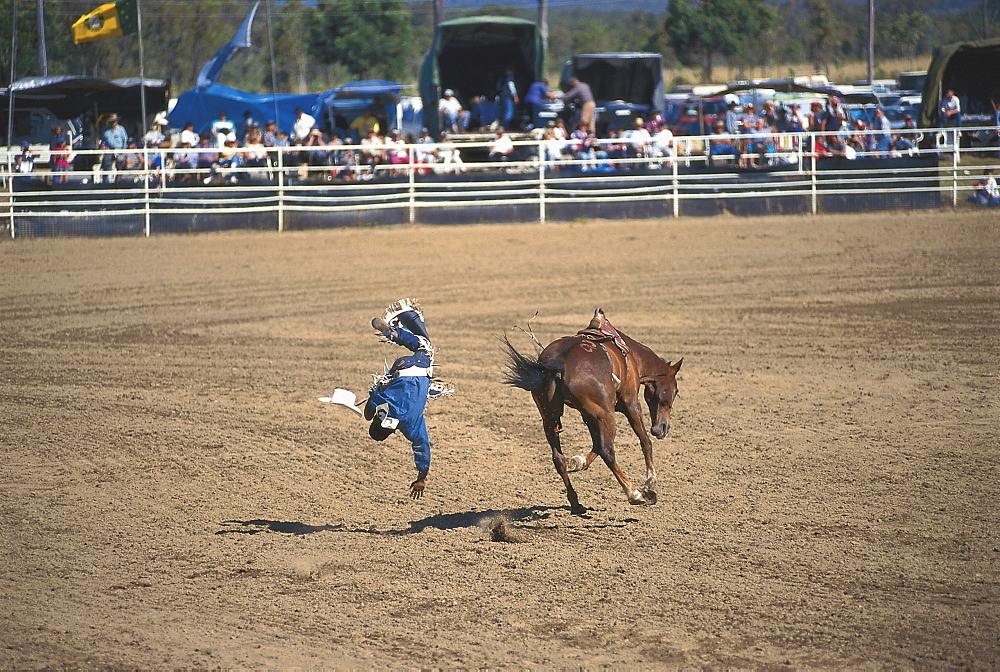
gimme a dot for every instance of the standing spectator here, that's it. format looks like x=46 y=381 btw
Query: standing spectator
x=883 y=133
x=815 y=118
x=768 y=114
x=794 y=121
x=508 y=97
x=537 y=94
x=749 y=118
x=115 y=139
x=581 y=95
x=833 y=116
x=732 y=122
x=302 y=126
x=59 y=158
x=454 y=119
x=223 y=129
x=58 y=136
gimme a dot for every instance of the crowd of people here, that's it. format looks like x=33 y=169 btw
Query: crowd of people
x=228 y=151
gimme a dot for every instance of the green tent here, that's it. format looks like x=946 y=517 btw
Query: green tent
x=470 y=56
x=968 y=68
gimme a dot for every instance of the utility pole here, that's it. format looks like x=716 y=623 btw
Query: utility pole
x=438 y=12
x=871 y=42
x=43 y=58
x=543 y=23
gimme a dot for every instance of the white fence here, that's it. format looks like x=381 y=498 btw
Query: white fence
x=456 y=182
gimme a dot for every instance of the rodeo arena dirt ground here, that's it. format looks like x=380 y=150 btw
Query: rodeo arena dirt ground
x=174 y=495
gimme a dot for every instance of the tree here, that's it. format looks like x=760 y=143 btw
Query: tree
x=370 y=38
x=822 y=33
x=703 y=30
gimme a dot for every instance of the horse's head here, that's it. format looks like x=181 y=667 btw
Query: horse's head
x=660 y=391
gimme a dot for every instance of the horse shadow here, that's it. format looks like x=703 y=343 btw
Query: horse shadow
x=441 y=521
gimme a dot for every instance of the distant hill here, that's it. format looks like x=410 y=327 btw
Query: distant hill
x=652 y=6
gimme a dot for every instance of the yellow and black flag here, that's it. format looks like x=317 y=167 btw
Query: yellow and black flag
x=113 y=19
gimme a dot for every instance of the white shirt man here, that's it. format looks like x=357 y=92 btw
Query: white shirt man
x=663 y=141
x=303 y=126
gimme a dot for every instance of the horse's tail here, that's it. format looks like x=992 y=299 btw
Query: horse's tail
x=526 y=372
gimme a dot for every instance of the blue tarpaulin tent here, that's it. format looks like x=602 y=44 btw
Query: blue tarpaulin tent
x=203 y=107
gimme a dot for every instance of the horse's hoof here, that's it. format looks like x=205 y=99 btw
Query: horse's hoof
x=576 y=463
x=650 y=496
x=637 y=499
x=578 y=509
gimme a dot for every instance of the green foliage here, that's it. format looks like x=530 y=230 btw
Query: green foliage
x=704 y=30
x=370 y=38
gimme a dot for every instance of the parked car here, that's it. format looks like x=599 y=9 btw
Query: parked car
x=698 y=114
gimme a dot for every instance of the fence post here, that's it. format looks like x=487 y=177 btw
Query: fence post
x=541 y=185
x=281 y=189
x=677 y=203
x=10 y=190
x=145 y=189
x=412 y=169
x=954 y=171
x=813 y=176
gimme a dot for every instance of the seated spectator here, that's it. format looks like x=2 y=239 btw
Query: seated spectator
x=986 y=191
x=346 y=166
x=450 y=157
x=613 y=145
x=225 y=167
x=185 y=163
x=501 y=147
x=396 y=151
x=663 y=141
x=454 y=118
x=206 y=153
x=838 y=148
x=130 y=159
x=821 y=147
x=188 y=136
x=223 y=130
x=426 y=151
x=363 y=125
x=373 y=151
x=316 y=154
x=721 y=143
x=637 y=139
x=901 y=145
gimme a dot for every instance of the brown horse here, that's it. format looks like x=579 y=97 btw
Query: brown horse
x=597 y=372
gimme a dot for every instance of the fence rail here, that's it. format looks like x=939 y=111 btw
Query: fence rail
x=457 y=182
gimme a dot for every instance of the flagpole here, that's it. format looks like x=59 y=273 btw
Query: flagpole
x=142 y=68
x=142 y=123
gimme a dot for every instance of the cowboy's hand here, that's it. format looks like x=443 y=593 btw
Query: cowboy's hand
x=417 y=488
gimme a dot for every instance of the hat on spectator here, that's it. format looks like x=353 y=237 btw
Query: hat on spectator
x=112 y=117
x=448 y=92
x=795 y=105
x=749 y=105
x=25 y=145
x=732 y=103
x=908 y=117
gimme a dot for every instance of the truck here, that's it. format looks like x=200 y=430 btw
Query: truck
x=470 y=56
x=626 y=85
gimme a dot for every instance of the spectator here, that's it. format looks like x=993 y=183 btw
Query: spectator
x=426 y=151
x=883 y=133
x=302 y=126
x=501 y=147
x=794 y=121
x=663 y=141
x=838 y=148
x=188 y=136
x=225 y=167
x=59 y=159
x=206 y=153
x=185 y=162
x=768 y=114
x=749 y=119
x=815 y=118
x=255 y=153
x=538 y=94
x=580 y=95
x=637 y=139
x=58 y=136
x=720 y=144
x=115 y=139
x=248 y=123
x=223 y=129
x=986 y=192
x=910 y=130
x=317 y=154
x=833 y=116
x=508 y=98
x=372 y=151
x=362 y=125
x=24 y=162
x=269 y=136
x=732 y=122
x=454 y=118
x=397 y=152
x=950 y=110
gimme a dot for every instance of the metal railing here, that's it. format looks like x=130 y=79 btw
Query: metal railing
x=159 y=190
